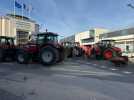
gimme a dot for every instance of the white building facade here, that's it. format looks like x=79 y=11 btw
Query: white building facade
x=89 y=37
x=18 y=27
x=124 y=39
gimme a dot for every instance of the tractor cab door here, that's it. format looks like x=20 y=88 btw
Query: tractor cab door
x=10 y=47
x=10 y=43
x=6 y=43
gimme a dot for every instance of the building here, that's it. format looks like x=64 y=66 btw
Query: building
x=89 y=37
x=68 y=39
x=124 y=39
x=18 y=27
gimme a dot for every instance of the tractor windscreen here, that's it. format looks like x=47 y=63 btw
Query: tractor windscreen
x=108 y=43
x=42 y=38
x=51 y=38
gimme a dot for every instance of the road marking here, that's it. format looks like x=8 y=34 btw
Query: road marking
x=86 y=72
x=113 y=69
x=8 y=63
x=75 y=66
x=92 y=98
x=66 y=76
x=90 y=63
x=103 y=66
x=127 y=72
x=95 y=64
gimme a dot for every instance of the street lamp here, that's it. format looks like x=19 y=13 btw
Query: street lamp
x=131 y=6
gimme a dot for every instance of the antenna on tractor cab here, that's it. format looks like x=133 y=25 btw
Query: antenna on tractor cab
x=46 y=30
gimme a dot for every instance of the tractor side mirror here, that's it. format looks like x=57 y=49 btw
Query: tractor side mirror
x=29 y=38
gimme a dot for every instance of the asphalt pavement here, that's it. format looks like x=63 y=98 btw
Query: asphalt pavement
x=73 y=79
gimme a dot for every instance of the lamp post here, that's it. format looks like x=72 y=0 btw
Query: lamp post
x=132 y=7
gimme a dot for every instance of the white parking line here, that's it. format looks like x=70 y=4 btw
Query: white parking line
x=9 y=63
x=103 y=66
x=95 y=64
x=89 y=62
x=66 y=76
x=127 y=72
x=85 y=72
x=113 y=69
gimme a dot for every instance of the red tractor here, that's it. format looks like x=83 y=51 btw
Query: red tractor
x=43 y=47
x=106 y=49
x=7 y=48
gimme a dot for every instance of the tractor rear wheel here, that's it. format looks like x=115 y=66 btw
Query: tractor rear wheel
x=22 y=57
x=108 y=54
x=48 y=55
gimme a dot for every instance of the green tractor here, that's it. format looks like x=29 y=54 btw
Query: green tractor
x=72 y=49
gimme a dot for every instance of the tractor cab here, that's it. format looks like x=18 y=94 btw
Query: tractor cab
x=42 y=38
x=47 y=37
x=107 y=43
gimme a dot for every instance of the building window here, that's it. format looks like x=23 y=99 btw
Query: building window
x=88 y=40
x=92 y=33
x=127 y=48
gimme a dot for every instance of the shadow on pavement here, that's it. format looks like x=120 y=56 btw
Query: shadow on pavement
x=4 y=95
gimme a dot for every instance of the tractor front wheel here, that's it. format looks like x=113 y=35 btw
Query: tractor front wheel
x=108 y=54
x=22 y=57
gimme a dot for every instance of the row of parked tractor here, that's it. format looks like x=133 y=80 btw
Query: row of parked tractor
x=103 y=50
x=44 y=48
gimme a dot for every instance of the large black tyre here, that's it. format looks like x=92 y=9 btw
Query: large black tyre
x=22 y=57
x=48 y=55
x=1 y=55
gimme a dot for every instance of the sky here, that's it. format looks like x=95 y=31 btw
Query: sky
x=68 y=17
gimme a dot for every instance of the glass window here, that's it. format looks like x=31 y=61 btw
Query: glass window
x=92 y=33
x=10 y=41
x=3 y=41
x=87 y=40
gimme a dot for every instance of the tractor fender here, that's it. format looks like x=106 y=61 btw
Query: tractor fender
x=24 y=57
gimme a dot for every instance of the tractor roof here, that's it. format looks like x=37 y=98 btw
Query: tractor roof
x=48 y=34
